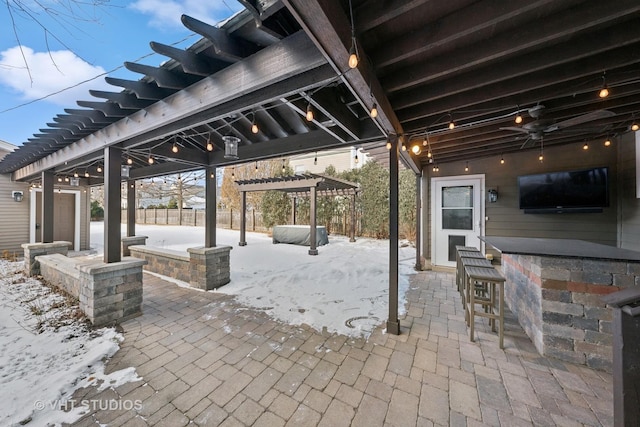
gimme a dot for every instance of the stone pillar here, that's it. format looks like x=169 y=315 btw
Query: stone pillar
x=111 y=293
x=210 y=267
x=32 y=250
x=131 y=241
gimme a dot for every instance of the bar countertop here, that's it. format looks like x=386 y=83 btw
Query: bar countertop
x=559 y=247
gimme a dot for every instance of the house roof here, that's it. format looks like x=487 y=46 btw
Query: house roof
x=423 y=63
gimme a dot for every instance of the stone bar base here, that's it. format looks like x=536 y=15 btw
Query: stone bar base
x=32 y=250
x=202 y=268
x=108 y=293
x=130 y=241
x=557 y=302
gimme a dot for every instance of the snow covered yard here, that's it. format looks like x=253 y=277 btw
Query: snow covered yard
x=47 y=351
x=344 y=289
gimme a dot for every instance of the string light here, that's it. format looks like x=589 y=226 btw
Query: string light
x=129 y=160
x=635 y=127
x=59 y=179
x=209 y=143
x=452 y=124
x=502 y=160
x=466 y=167
x=233 y=173
x=353 y=52
x=388 y=144
x=415 y=149
x=256 y=165
x=607 y=142
x=604 y=91
x=254 y=125
x=315 y=159
x=518 y=118
x=99 y=169
x=585 y=146
x=151 y=159
x=86 y=173
x=284 y=169
x=75 y=174
x=309 y=112
x=174 y=148
x=355 y=158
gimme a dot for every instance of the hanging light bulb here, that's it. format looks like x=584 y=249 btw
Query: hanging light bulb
x=75 y=174
x=502 y=160
x=466 y=167
x=174 y=148
x=59 y=179
x=353 y=54
x=374 y=111
x=233 y=173
x=66 y=179
x=284 y=169
x=256 y=165
x=355 y=158
x=604 y=91
x=635 y=126
x=403 y=147
x=518 y=118
x=429 y=155
x=209 y=143
x=129 y=161
x=99 y=169
x=585 y=146
x=309 y=112
x=254 y=125
x=86 y=174
x=315 y=159
x=388 y=144
x=415 y=149
x=607 y=142
x=212 y=175
x=150 y=160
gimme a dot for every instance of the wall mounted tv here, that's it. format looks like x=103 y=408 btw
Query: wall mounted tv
x=577 y=191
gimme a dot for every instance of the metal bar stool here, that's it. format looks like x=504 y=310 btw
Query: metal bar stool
x=492 y=278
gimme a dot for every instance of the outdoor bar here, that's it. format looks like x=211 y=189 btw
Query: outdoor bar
x=554 y=288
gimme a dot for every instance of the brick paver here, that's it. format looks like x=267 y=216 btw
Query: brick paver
x=207 y=361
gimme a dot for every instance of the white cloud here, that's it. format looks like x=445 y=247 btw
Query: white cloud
x=167 y=12
x=51 y=72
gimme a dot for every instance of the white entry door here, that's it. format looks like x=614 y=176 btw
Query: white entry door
x=458 y=212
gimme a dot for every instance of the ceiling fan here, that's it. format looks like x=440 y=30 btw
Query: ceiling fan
x=540 y=126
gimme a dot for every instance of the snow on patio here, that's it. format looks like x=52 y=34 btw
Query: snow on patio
x=47 y=352
x=343 y=289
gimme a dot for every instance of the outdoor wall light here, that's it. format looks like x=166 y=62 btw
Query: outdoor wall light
x=493 y=195
x=17 y=196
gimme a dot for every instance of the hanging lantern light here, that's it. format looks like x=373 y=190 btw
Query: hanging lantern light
x=231 y=147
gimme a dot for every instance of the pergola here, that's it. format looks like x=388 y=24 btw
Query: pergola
x=307 y=185
x=446 y=78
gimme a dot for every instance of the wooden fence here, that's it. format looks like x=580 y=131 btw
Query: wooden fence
x=230 y=219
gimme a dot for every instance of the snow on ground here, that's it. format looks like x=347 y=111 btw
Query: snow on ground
x=343 y=289
x=47 y=352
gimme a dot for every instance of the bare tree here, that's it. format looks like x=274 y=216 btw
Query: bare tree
x=53 y=18
x=229 y=194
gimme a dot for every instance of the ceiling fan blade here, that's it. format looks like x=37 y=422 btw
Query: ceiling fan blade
x=515 y=129
x=594 y=115
x=526 y=141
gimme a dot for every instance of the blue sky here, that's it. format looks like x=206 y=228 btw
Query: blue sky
x=92 y=41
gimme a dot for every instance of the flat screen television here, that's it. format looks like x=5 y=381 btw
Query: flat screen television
x=585 y=190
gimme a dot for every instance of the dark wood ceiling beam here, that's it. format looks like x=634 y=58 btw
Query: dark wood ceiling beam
x=329 y=27
x=300 y=107
x=109 y=109
x=163 y=77
x=559 y=77
x=142 y=90
x=328 y=103
x=520 y=43
x=184 y=155
x=371 y=14
x=224 y=47
x=256 y=9
x=97 y=117
x=264 y=117
x=523 y=65
x=124 y=100
x=296 y=123
x=478 y=17
x=190 y=62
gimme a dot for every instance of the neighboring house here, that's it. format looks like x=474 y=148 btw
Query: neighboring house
x=341 y=159
x=19 y=220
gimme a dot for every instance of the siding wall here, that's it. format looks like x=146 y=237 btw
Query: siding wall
x=629 y=203
x=14 y=217
x=506 y=219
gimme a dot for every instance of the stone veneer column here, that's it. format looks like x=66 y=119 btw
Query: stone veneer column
x=112 y=292
x=210 y=267
x=131 y=241
x=32 y=250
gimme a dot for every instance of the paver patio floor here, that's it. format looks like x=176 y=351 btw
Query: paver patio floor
x=207 y=361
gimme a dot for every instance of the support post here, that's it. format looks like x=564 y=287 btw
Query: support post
x=243 y=219
x=352 y=227
x=112 y=200
x=131 y=208
x=418 y=265
x=293 y=210
x=393 y=324
x=47 y=221
x=210 y=221
x=312 y=222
